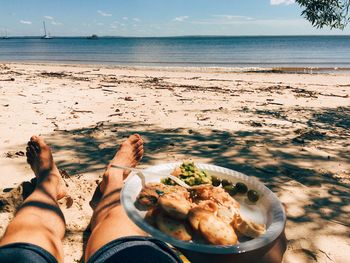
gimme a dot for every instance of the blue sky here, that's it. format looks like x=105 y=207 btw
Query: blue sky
x=155 y=17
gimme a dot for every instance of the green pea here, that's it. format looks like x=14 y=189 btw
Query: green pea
x=253 y=196
x=241 y=188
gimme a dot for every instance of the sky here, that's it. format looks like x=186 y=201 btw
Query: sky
x=155 y=18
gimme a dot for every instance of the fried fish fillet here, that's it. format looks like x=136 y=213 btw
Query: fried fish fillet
x=217 y=232
x=151 y=216
x=175 y=205
x=150 y=194
x=227 y=207
x=248 y=228
x=202 y=209
x=195 y=215
x=172 y=227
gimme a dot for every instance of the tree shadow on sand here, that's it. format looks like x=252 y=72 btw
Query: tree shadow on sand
x=274 y=157
x=271 y=157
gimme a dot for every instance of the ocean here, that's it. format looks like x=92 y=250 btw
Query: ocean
x=288 y=52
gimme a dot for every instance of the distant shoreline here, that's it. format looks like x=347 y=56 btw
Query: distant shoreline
x=277 y=70
x=185 y=36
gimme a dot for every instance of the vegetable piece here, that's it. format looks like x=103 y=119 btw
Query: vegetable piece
x=231 y=189
x=191 y=175
x=168 y=181
x=253 y=196
x=225 y=182
x=159 y=192
x=241 y=188
x=215 y=181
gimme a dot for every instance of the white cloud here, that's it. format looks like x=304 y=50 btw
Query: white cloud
x=25 y=22
x=246 y=21
x=48 y=17
x=103 y=13
x=281 y=2
x=136 y=19
x=99 y=24
x=181 y=18
x=224 y=20
x=125 y=18
x=234 y=17
x=55 y=23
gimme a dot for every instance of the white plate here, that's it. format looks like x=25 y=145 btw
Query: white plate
x=268 y=209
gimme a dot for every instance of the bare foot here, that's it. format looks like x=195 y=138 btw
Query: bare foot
x=129 y=154
x=40 y=158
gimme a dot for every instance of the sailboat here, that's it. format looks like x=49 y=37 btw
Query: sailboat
x=5 y=36
x=47 y=35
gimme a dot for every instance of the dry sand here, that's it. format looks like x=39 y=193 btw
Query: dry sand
x=289 y=130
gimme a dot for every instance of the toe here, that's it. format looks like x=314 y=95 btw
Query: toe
x=139 y=144
x=34 y=138
x=35 y=146
x=139 y=154
x=29 y=155
x=134 y=138
x=28 y=152
x=41 y=142
x=32 y=151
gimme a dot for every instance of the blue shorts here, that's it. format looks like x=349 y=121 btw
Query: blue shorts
x=128 y=249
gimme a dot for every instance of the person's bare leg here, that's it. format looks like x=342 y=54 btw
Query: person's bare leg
x=39 y=220
x=109 y=220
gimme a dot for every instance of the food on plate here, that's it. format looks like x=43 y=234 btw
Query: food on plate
x=231 y=189
x=207 y=205
x=190 y=174
x=206 y=212
x=150 y=194
x=248 y=228
x=151 y=215
x=215 y=181
x=253 y=196
x=172 y=227
x=225 y=182
x=195 y=215
x=216 y=231
x=228 y=207
x=175 y=205
x=241 y=188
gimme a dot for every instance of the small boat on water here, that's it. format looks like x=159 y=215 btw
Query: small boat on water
x=5 y=36
x=93 y=37
x=47 y=35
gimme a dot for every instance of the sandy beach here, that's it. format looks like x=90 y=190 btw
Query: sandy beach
x=291 y=131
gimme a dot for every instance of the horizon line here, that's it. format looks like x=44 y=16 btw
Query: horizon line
x=175 y=36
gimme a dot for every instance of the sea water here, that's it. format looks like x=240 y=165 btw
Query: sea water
x=242 y=52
